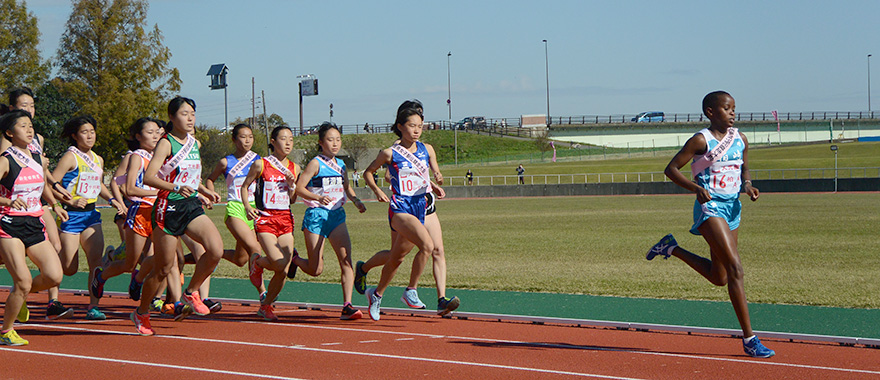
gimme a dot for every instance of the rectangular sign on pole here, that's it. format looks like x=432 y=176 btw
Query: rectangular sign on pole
x=310 y=87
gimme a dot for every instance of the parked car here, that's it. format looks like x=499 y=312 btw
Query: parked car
x=311 y=130
x=471 y=122
x=649 y=117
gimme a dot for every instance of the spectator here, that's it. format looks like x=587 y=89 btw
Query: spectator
x=470 y=177
x=519 y=172
x=367 y=130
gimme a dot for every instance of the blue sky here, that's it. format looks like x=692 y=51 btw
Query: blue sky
x=605 y=57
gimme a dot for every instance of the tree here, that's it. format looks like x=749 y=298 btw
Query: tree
x=115 y=70
x=356 y=146
x=20 y=63
x=542 y=142
x=53 y=109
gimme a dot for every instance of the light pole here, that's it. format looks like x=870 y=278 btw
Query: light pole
x=869 y=85
x=547 y=72
x=449 y=103
x=218 y=80
x=834 y=149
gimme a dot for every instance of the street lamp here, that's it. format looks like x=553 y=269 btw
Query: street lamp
x=869 y=85
x=834 y=149
x=449 y=103
x=547 y=72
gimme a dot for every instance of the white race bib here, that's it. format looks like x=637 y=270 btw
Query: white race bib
x=190 y=175
x=89 y=185
x=412 y=182
x=276 y=195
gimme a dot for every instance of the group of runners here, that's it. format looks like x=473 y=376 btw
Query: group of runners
x=159 y=197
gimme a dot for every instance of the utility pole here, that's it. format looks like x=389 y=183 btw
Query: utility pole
x=265 y=119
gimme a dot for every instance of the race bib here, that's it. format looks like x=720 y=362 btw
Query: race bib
x=276 y=195
x=237 y=184
x=89 y=185
x=725 y=180
x=190 y=175
x=412 y=182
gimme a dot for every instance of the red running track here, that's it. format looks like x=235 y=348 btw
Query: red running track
x=315 y=344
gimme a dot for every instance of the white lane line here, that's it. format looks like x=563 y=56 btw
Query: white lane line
x=323 y=350
x=129 y=362
x=369 y=341
x=548 y=345
x=399 y=339
x=331 y=344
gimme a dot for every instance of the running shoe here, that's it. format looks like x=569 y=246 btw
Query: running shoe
x=411 y=298
x=95 y=315
x=11 y=338
x=663 y=248
x=267 y=312
x=156 y=306
x=97 y=285
x=24 y=314
x=213 y=306
x=756 y=349
x=263 y=296
x=118 y=253
x=255 y=271
x=375 y=303
x=291 y=272
x=108 y=255
x=193 y=300
x=182 y=310
x=360 y=278
x=57 y=310
x=349 y=313
x=447 y=305
x=142 y=323
x=134 y=287
x=167 y=308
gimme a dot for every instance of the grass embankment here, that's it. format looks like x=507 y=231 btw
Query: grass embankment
x=812 y=249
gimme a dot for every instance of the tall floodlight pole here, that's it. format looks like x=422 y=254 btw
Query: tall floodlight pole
x=547 y=73
x=449 y=103
x=869 y=85
x=218 y=80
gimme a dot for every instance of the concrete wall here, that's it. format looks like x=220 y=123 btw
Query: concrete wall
x=637 y=188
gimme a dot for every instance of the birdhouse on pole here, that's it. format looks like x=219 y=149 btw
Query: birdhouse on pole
x=218 y=76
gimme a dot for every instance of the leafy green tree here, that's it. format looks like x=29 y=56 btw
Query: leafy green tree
x=20 y=62
x=52 y=110
x=114 y=68
x=215 y=145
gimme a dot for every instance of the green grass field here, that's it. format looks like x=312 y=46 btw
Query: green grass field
x=811 y=249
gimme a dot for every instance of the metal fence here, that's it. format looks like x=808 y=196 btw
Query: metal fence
x=554 y=179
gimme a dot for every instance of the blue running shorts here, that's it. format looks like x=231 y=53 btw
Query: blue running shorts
x=79 y=221
x=321 y=221
x=729 y=210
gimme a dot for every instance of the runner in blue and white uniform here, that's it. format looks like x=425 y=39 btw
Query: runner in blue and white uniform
x=323 y=185
x=721 y=169
x=409 y=163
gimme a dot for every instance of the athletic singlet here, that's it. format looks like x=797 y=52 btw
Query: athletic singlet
x=188 y=171
x=144 y=158
x=234 y=181
x=723 y=177
x=273 y=192
x=405 y=179
x=23 y=182
x=83 y=182
x=327 y=182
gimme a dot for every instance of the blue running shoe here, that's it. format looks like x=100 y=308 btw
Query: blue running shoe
x=375 y=303
x=755 y=349
x=97 y=285
x=663 y=248
x=411 y=298
x=447 y=305
x=360 y=278
x=134 y=287
x=95 y=315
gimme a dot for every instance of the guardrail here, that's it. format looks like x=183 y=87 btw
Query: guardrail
x=553 y=179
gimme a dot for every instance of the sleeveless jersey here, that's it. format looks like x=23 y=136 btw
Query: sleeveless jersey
x=327 y=182
x=142 y=155
x=234 y=182
x=187 y=173
x=723 y=178
x=405 y=179
x=23 y=182
x=82 y=181
x=273 y=192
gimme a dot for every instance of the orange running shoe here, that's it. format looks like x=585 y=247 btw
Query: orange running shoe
x=255 y=271
x=142 y=323
x=195 y=302
x=268 y=313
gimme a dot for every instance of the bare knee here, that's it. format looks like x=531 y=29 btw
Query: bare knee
x=69 y=270
x=720 y=280
x=240 y=260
